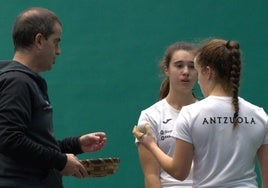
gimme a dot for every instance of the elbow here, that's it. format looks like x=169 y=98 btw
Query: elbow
x=180 y=178
x=180 y=175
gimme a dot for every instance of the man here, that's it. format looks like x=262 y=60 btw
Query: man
x=30 y=156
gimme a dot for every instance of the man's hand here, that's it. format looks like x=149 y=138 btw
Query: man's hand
x=92 y=142
x=73 y=167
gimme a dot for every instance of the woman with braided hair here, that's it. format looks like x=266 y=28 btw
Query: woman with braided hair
x=222 y=133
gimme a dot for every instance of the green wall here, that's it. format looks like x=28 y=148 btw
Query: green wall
x=107 y=72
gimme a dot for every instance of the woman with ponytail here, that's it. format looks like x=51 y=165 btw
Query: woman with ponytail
x=175 y=92
x=222 y=133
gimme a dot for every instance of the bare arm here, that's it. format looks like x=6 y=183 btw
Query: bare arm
x=263 y=164
x=177 y=166
x=182 y=158
x=150 y=167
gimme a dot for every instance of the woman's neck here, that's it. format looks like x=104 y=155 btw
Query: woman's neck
x=218 y=90
x=177 y=101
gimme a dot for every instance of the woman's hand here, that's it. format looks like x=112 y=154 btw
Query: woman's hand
x=144 y=134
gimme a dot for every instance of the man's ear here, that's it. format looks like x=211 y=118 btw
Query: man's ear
x=38 y=40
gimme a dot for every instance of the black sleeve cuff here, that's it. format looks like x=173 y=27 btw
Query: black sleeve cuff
x=61 y=162
x=70 y=145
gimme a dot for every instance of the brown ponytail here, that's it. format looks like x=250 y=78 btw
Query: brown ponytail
x=235 y=62
x=164 y=89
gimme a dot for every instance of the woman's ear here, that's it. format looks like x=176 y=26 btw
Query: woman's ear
x=166 y=70
x=210 y=73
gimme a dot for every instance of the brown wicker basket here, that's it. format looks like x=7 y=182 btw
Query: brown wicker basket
x=101 y=167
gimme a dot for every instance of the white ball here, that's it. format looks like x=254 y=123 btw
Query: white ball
x=142 y=127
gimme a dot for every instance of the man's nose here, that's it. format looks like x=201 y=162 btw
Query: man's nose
x=58 y=51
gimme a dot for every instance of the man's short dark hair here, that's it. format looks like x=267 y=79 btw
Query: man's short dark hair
x=31 y=22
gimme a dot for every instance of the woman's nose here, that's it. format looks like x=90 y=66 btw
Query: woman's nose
x=185 y=70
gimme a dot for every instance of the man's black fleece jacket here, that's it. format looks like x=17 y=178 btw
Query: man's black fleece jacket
x=26 y=126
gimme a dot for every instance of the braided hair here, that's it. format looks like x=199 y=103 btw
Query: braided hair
x=224 y=58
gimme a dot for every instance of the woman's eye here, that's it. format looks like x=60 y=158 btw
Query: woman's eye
x=191 y=67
